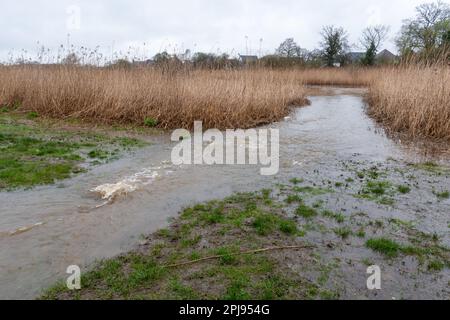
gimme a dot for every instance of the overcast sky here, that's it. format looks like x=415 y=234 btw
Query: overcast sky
x=199 y=25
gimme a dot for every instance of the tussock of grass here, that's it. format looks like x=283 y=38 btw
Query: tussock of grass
x=385 y=246
x=438 y=256
x=306 y=212
x=404 y=189
x=443 y=195
x=344 y=232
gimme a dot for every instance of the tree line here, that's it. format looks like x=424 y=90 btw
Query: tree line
x=424 y=37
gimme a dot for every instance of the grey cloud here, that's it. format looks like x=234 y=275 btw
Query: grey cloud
x=197 y=24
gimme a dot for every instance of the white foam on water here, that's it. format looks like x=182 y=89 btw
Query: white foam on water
x=110 y=191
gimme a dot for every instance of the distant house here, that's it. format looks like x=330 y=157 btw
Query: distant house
x=386 y=56
x=355 y=57
x=143 y=63
x=248 y=59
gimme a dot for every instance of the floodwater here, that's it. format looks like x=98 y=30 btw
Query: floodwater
x=47 y=229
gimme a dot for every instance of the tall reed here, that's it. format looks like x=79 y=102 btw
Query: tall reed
x=221 y=99
x=414 y=100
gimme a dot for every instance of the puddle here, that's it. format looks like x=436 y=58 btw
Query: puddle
x=102 y=213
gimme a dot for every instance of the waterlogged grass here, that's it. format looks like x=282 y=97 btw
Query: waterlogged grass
x=32 y=154
x=378 y=191
x=312 y=191
x=344 y=232
x=215 y=250
x=385 y=246
x=442 y=195
x=432 y=168
x=159 y=270
x=306 y=211
x=339 y=217
x=435 y=256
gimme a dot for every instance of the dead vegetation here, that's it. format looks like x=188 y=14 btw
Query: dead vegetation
x=414 y=99
x=221 y=99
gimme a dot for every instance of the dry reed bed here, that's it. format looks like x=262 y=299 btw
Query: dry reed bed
x=413 y=100
x=221 y=99
x=345 y=77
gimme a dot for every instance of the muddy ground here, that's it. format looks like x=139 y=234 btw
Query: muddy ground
x=323 y=229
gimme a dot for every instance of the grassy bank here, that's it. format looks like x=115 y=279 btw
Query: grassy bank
x=32 y=153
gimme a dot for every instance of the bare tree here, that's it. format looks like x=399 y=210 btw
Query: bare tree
x=427 y=31
x=429 y=14
x=334 y=44
x=374 y=36
x=371 y=40
x=289 y=49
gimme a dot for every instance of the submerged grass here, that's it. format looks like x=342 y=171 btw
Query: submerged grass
x=435 y=256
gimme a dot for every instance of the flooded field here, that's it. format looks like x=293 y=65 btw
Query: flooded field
x=330 y=145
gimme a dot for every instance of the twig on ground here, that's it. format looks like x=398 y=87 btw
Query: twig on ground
x=239 y=254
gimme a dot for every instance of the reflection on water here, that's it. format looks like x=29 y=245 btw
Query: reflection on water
x=44 y=230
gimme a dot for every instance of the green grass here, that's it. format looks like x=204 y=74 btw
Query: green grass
x=293 y=198
x=361 y=234
x=32 y=154
x=436 y=266
x=267 y=223
x=150 y=122
x=443 y=195
x=306 y=212
x=404 y=189
x=378 y=191
x=146 y=274
x=339 y=217
x=288 y=227
x=432 y=167
x=384 y=246
x=231 y=231
x=15 y=173
x=32 y=115
x=436 y=255
x=179 y=291
x=344 y=232
x=296 y=181
x=377 y=187
x=313 y=191
x=99 y=154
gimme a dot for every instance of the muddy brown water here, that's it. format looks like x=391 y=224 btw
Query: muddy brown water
x=46 y=229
